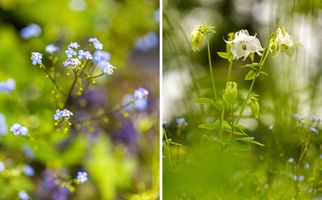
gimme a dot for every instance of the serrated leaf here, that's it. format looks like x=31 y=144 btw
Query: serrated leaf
x=251 y=75
x=223 y=55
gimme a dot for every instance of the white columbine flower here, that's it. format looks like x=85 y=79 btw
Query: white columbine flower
x=282 y=41
x=244 y=44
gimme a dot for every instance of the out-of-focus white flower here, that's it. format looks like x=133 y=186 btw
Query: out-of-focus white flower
x=244 y=44
x=283 y=41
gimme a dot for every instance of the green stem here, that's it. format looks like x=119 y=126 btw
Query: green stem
x=261 y=63
x=168 y=148
x=221 y=120
x=245 y=101
x=71 y=88
x=102 y=74
x=230 y=69
x=210 y=67
x=53 y=80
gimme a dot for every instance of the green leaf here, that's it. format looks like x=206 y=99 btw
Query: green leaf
x=238 y=133
x=253 y=66
x=251 y=75
x=209 y=126
x=250 y=140
x=216 y=104
x=251 y=56
x=245 y=139
x=223 y=55
x=257 y=143
x=264 y=73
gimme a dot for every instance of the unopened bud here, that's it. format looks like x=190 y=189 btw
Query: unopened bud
x=254 y=105
x=198 y=34
x=230 y=94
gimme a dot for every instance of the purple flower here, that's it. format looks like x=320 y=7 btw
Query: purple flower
x=51 y=48
x=140 y=93
x=63 y=114
x=101 y=57
x=147 y=42
x=7 y=86
x=18 y=129
x=72 y=62
x=70 y=52
x=23 y=195
x=84 y=54
x=3 y=125
x=97 y=44
x=74 y=45
x=32 y=30
x=181 y=122
x=36 y=58
x=2 y=167
x=82 y=177
x=28 y=170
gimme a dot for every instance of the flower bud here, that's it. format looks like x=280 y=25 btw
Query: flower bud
x=254 y=105
x=196 y=38
x=198 y=34
x=230 y=94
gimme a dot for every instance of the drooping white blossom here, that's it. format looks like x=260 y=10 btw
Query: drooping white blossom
x=244 y=44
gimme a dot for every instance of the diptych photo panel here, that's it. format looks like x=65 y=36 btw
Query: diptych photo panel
x=79 y=99
x=160 y=99
x=241 y=99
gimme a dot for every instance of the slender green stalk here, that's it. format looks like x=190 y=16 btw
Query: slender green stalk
x=53 y=80
x=261 y=63
x=229 y=74
x=71 y=88
x=230 y=69
x=221 y=120
x=168 y=148
x=210 y=68
x=102 y=74
x=246 y=100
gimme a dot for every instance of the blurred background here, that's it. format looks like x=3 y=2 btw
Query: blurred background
x=119 y=151
x=194 y=165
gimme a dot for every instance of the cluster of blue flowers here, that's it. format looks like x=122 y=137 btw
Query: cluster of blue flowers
x=76 y=55
x=313 y=123
x=136 y=101
x=36 y=58
x=7 y=86
x=147 y=42
x=81 y=177
x=32 y=30
x=51 y=48
x=18 y=129
x=63 y=114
